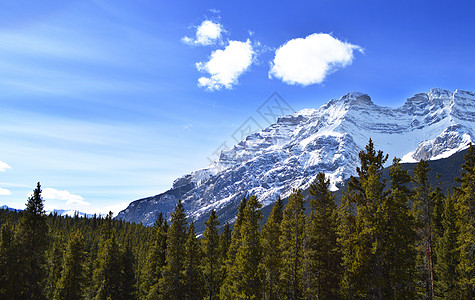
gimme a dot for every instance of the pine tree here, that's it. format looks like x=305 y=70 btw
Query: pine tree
x=229 y=284
x=271 y=256
x=248 y=280
x=129 y=285
x=211 y=256
x=424 y=212
x=172 y=284
x=55 y=266
x=291 y=246
x=365 y=264
x=193 y=276
x=155 y=260
x=33 y=238
x=72 y=282
x=225 y=242
x=399 y=251
x=322 y=256
x=108 y=271
x=351 y=284
x=9 y=260
x=465 y=208
x=447 y=254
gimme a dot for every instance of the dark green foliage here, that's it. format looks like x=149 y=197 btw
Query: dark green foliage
x=424 y=213
x=193 y=275
x=156 y=258
x=399 y=235
x=322 y=256
x=447 y=255
x=465 y=208
x=73 y=276
x=172 y=284
x=212 y=260
x=9 y=263
x=291 y=246
x=33 y=240
x=271 y=255
x=109 y=271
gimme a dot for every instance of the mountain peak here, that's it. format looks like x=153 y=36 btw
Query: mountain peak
x=354 y=99
x=290 y=153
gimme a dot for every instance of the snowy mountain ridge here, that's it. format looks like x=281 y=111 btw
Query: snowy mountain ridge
x=289 y=153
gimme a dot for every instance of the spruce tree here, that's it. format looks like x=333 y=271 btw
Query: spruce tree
x=72 y=282
x=193 y=275
x=291 y=246
x=33 y=238
x=465 y=208
x=322 y=256
x=9 y=263
x=399 y=251
x=228 y=287
x=271 y=256
x=248 y=283
x=447 y=254
x=211 y=256
x=352 y=285
x=225 y=242
x=424 y=212
x=367 y=191
x=152 y=272
x=108 y=271
x=172 y=284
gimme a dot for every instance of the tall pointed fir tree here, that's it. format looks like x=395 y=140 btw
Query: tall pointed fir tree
x=367 y=193
x=224 y=243
x=73 y=276
x=9 y=263
x=193 y=275
x=465 y=208
x=152 y=272
x=447 y=254
x=291 y=246
x=424 y=212
x=399 y=235
x=271 y=256
x=228 y=286
x=347 y=240
x=55 y=265
x=172 y=284
x=108 y=271
x=211 y=257
x=33 y=238
x=322 y=256
x=248 y=283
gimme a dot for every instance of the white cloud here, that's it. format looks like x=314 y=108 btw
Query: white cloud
x=208 y=33
x=309 y=60
x=71 y=199
x=225 y=66
x=4 y=192
x=4 y=166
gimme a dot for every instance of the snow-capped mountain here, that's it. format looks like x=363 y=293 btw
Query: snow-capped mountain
x=290 y=153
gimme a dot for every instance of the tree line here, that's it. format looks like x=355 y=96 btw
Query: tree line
x=402 y=239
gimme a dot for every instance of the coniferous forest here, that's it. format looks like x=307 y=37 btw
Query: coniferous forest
x=400 y=238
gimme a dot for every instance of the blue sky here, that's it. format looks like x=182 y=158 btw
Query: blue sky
x=103 y=103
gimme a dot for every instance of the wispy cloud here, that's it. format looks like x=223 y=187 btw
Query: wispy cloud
x=208 y=33
x=225 y=66
x=309 y=60
x=4 y=166
x=4 y=192
x=63 y=195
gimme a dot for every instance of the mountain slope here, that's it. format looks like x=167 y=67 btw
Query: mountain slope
x=290 y=153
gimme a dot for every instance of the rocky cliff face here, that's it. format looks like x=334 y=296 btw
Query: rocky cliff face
x=290 y=153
